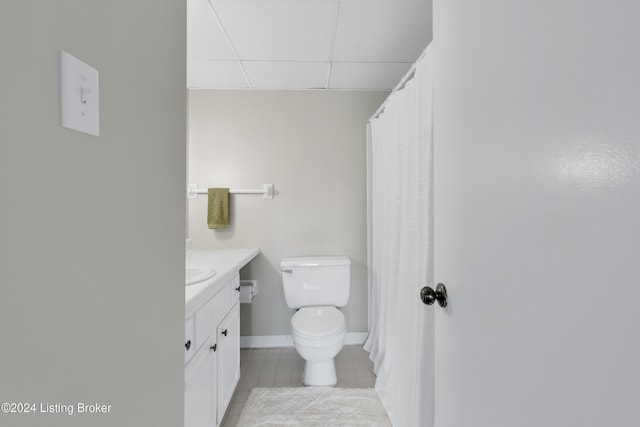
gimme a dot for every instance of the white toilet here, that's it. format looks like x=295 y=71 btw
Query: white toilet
x=316 y=286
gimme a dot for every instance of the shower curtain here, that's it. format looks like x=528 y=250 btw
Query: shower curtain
x=400 y=249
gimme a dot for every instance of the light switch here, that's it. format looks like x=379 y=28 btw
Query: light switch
x=79 y=99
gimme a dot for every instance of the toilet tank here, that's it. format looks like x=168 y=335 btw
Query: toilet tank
x=316 y=281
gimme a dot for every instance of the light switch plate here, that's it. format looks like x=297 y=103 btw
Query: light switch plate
x=79 y=100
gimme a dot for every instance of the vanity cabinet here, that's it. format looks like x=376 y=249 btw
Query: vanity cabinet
x=212 y=357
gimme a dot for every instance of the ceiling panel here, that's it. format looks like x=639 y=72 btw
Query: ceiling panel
x=299 y=75
x=205 y=38
x=205 y=74
x=281 y=30
x=369 y=75
x=382 y=31
x=305 y=44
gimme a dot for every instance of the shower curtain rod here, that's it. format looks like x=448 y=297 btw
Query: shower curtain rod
x=403 y=81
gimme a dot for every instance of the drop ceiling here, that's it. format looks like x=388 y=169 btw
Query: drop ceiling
x=304 y=44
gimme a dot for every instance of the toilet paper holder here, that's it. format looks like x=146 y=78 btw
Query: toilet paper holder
x=248 y=289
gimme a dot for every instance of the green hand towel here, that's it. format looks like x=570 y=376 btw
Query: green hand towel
x=218 y=208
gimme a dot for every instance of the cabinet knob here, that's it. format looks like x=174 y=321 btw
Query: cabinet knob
x=238 y=289
x=214 y=347
x=224 y=332
x=188 y=345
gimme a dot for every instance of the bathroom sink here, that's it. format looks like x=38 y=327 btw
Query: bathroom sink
x=193 y=275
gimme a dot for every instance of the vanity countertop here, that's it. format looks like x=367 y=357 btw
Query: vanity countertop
x=226 y=263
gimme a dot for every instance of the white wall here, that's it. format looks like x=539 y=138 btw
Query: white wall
x=311 y=146
x=92 y=228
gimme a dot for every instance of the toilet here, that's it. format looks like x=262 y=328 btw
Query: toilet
x=316 y=286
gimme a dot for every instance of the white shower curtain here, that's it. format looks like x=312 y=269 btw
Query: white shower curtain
x=400 y=240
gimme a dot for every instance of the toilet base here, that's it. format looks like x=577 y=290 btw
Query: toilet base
x=319 y=373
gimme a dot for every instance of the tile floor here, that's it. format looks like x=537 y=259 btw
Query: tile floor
x=282 y=367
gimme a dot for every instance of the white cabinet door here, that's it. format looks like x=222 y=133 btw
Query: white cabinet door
x=228 y=358
x=189 y=340
x=201 y=388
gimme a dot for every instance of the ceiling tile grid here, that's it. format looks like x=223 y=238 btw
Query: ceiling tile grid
x=205 y=37
x=279 y=30
x=269 y=74
x=211 y=74
x=367 y=75
x=304 y=44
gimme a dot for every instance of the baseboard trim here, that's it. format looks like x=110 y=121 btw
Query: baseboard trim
x=271 y=341
x=266 y=341
x=356 y=338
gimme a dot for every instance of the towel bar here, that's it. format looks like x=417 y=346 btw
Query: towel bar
x=266 y=191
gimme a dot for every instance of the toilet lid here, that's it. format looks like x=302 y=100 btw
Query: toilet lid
x=318 y=321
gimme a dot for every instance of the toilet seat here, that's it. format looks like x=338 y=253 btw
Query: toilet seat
x=313 y=323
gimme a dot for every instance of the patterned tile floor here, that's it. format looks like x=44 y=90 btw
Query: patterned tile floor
x=282 y=367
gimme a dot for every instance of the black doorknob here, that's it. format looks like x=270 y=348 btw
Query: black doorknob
x=429 y=296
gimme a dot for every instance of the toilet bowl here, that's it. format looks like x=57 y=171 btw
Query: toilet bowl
x=318 y=336
x=316 y=286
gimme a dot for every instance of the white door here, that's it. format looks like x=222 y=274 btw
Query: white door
x=537 y=213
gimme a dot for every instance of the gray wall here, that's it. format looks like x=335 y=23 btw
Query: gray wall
x=311 y=146
x=92 y=228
